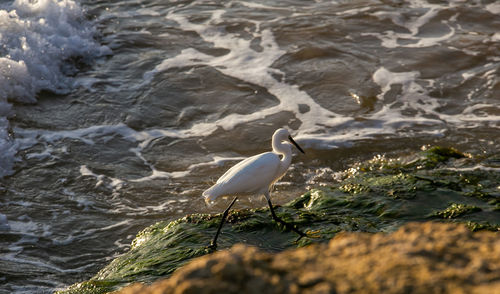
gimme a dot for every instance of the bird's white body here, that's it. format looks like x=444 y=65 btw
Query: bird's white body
x=257 y=174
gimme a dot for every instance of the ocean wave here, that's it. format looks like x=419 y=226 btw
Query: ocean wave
x=43 y=44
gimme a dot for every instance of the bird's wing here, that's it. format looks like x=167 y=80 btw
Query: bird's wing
x=252 y=175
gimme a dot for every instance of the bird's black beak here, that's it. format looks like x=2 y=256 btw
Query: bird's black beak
x=295 y=143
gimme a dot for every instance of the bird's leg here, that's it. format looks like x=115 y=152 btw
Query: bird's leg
x=213 y=244
x=279 y=220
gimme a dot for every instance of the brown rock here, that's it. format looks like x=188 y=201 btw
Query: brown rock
x=418 y=258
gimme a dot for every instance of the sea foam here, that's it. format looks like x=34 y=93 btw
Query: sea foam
x=42 y=42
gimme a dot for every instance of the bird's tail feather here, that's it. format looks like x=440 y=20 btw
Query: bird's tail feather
x=211 y=193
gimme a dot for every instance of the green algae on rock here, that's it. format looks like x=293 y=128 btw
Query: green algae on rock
x=439 y=184
x=455 y=210
x=418 y=258
x=436 y=155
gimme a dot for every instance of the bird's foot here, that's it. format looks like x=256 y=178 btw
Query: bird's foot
x=313 y=234
x=308 y=234
x=211 y=248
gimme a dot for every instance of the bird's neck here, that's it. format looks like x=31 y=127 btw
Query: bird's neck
x=285 y=151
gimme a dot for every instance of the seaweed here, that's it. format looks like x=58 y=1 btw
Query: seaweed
x=380 y=194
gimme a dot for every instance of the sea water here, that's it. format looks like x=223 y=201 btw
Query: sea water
x=118 y=114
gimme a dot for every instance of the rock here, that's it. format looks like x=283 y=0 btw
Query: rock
x=418 y=258
x=377 y=195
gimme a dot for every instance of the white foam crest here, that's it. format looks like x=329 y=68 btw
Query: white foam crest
x=86 y=172
x=414 y=96
x=13 y=257
x=161 y=207
x=391 y=39
x=29 y=229
x=248 y=65
x=216 y=161
x=114 y=184
x=89 y=232
x=38 y=38
x=354 y=11
x=385 y=79
x=27 y=138
x=251 y=4
x=255 y=67
x=156 y=174
x=493 y=8
x=81 y=201
x=30 y=234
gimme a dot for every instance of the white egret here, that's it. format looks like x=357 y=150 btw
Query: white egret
x=255 y=176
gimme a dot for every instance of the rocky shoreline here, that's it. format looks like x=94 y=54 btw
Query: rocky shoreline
x=418 y=258
x=370 y=199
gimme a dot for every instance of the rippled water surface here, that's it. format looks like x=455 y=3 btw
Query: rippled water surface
x=117 y=114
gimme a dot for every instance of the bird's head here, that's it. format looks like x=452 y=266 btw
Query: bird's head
x=282 y=134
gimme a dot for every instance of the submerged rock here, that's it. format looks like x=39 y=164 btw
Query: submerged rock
x=418 y=258
x=378 y=195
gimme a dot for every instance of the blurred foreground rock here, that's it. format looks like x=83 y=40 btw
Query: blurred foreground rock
x=418 y=258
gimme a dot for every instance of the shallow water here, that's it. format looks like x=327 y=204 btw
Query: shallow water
x=122 y=116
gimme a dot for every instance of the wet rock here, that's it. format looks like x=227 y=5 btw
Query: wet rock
x=379 y=195
x=417 y=258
